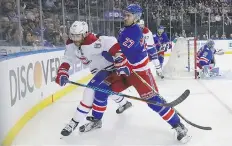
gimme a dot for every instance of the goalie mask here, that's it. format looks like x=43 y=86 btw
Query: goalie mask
x=78 y=32
x=210 y=43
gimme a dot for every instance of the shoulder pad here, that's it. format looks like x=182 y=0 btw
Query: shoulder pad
x=90 y=38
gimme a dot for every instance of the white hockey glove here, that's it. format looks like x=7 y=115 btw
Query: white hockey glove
x=220 y=52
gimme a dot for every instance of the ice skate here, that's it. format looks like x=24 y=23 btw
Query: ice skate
x=93 y=124
x=124 y=107
x=69 y=128
x=181 y=131
x=160 y=74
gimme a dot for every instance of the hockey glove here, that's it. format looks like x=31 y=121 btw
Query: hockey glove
x=122 y=65
x=62 y=74
x=219 y=52
x=152 y=54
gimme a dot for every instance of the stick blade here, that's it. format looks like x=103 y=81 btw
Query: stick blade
x=193 y=124
x=180 y=99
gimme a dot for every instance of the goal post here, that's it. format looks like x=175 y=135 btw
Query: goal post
x=182 y=60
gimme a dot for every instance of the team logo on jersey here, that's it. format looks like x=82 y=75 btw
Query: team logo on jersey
x=205 y=54
x=97 y=45
x=84 y=60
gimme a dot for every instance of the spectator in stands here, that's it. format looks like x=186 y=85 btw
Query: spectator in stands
x=223 y=36
x=4 y=25
x=230 y=36
x=157 y=11
x=50 y=4
x=28 y=38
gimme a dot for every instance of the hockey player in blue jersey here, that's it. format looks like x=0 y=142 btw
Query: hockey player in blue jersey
x=131 y=60
x=206 y=60
x=162 y=43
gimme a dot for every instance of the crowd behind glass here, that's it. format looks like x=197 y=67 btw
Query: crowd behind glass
x=46 y=22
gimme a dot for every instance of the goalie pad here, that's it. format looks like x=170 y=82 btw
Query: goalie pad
x=207 y=71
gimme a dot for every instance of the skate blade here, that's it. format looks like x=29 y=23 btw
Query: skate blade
x=120 y=112
x=186 y=139
x=62 y=137
x=83 y=130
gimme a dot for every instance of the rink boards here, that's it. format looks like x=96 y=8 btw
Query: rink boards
x=225 y=45
x=29 y=87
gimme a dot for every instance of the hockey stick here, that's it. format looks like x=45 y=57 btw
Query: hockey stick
x=124 y=95
x=175 y=102
x=186 y=120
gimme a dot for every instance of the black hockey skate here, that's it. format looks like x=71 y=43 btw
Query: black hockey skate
x=121 y=109
x=69 y=128
x=181 y=131
x=93 y=124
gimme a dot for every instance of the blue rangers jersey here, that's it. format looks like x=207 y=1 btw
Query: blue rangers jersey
x=161 y=40
x=132 y=45
x=204 y=56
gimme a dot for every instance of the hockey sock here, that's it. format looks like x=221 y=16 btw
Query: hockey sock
x=167 y=113
x=161 y=60
x=99 y=104
x=100 y=98
x=157 y=65
x=81 y=112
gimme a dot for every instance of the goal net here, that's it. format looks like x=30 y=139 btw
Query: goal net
x=182 y=61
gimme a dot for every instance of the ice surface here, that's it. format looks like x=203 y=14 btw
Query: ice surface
x=210 y=104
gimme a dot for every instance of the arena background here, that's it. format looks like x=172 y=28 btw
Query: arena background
x=46 y=22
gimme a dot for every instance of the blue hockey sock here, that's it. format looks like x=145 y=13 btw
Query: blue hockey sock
x=161 y=60
x=167 y=113
x=99 y=107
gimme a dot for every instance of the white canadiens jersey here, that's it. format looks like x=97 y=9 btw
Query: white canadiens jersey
x=90 y=52
x=148 y=38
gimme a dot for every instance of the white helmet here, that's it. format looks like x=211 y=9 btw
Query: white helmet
x=78 y=30
x=141 y=23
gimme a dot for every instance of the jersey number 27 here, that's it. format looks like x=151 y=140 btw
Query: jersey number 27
x=128 y=42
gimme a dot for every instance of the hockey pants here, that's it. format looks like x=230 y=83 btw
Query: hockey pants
x=120 y=83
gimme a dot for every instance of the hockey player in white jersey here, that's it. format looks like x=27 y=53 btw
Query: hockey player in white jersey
x=84 y=46
x=150 y=46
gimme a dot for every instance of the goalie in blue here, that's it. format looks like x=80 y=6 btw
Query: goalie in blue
x=206 y=60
